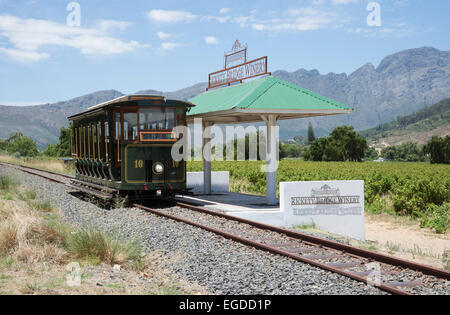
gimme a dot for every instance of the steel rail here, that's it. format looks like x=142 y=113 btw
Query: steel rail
x=274 y=250
x=30 y=170
x=393 y=261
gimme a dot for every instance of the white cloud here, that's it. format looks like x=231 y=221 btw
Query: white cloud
x=30 y=36
x=258 y=27
x=303 y=19
x=244 y=20
x=211 y=40
x=107 y=25
x=396 y=31
x=344 y=1
x=163 y=36
x=220 y=19
x=224 y=10
x=170 y=16
x=23 y=55
x=169 y=46
x=401 y=3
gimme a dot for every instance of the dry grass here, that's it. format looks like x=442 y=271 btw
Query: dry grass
x=26 y=236
x=34 y=253
x=91 y=245
x=49 y=164
x=35 y=249
x=29 y=236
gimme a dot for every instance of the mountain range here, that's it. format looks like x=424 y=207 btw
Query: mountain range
x=401 y=84
x=419 y=127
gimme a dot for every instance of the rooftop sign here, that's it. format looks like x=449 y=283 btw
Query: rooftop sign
x=237 y=55
x=238 y=73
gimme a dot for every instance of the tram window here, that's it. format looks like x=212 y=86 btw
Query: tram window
x=75 y=135
x=107 y=141
x=130 y=126
x=117 y=123
x=80 y=136
x=89 y=140
x=170 y=119
x=156 y=119
x=180 y=117
x=94 y=142
x=84 y=143
x=101 y=154
x=107 y=130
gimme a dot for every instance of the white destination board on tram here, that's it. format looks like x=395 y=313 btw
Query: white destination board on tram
x=333 y=206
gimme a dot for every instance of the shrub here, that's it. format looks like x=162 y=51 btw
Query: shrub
x=6 y=183
x=438 y=149
x=93 y=244
x=436 y=217
x=42 y=206
x=23 y=146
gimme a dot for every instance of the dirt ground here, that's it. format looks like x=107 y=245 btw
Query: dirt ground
x=403 y=238
x=75 y=279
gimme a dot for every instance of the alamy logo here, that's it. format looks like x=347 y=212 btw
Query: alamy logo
x=374 y=17
x=74 y=17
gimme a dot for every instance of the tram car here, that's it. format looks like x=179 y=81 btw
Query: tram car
x=124 y=147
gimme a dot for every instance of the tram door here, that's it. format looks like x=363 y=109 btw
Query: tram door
x=118 y=136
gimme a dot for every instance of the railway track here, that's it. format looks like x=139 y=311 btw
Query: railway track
x=102 y=192
x=390 y=274
x=52 y=176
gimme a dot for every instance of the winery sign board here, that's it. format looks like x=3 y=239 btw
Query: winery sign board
x=237 y=73
x=335 y=206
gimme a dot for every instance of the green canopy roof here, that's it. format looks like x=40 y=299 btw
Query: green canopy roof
x=246 y=102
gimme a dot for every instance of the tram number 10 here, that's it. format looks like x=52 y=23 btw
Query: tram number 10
x=138 y=164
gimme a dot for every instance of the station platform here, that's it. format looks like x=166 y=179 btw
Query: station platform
x=245 y=206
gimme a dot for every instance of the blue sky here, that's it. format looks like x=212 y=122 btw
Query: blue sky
x=167 y=45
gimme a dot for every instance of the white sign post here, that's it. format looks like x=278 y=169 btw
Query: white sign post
x=336 y=206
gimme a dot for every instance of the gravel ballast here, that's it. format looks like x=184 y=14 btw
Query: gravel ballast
x=221 y=265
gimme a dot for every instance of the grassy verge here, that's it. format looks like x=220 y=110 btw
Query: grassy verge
x=36 y=248
x=30 y=228
x=44 y=163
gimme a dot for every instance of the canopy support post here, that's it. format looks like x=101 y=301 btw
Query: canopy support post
x=207 y=157
x=271 y=159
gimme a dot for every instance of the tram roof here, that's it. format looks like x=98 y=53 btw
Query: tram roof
x=130 y=98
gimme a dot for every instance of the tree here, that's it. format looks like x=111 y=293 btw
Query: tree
x=300 y=140
x=63 y=147
x=316 y=151
x=260 y=142
x=290 y=150
x=351 y=146
x=371 y=154
x=3 y=145
x=405 y=152
x=344 y=144
x=64 y=141
x=438 y=149
x=311 y=136
x=24 y=146
x=51 y=150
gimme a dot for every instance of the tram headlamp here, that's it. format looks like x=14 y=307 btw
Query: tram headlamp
x=158 y=168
